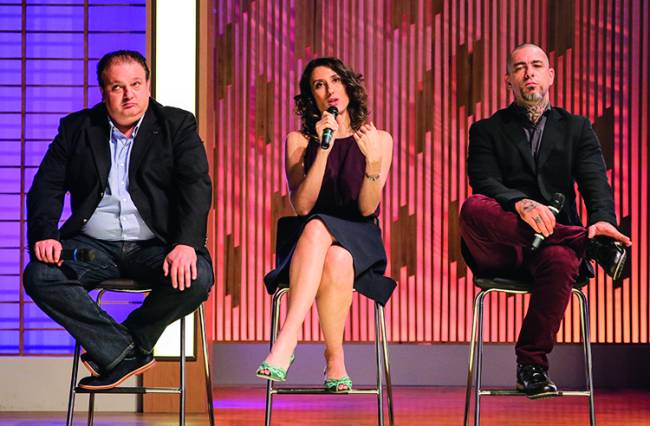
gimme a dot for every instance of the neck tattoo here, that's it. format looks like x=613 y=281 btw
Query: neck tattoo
x=535 y=111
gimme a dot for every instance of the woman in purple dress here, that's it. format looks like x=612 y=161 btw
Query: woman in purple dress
x=334 y=245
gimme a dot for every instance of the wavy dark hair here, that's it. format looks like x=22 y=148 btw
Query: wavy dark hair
x=306 y=104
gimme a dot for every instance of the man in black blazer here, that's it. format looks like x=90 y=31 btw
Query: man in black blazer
x=518 y=159
x=140 y=193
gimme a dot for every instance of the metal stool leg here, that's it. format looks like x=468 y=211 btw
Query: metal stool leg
x=475 y=369
x=275 y=325
x=389 y=384
x=131 y=287
x=378 y=355
x=479 y=359
x=73 y=383
x=181 y=386
x=470 y=369
x=206 y=365
x=381 y=356
x=91 y=409
x=586 y=345
x=91 y=395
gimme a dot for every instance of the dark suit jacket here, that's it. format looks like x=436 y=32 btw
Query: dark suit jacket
x=168 y=176
x=501 y=165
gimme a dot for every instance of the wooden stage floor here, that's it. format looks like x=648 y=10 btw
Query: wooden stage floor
x=244 y=406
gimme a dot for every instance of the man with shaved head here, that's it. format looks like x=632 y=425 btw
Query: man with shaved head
x=518 y=159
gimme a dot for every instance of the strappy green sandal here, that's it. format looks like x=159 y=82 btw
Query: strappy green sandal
x=333 y=385
x=276 y=374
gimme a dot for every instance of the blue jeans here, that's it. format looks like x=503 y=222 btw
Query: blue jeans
x=62 y=293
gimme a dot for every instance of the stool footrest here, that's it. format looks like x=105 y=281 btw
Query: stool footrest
x=321 y=391
x=131 y=390
x=514 y=392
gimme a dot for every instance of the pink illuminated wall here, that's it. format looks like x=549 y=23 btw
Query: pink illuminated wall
x=432 y=68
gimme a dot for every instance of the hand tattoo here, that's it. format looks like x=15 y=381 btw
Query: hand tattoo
x=529 y=205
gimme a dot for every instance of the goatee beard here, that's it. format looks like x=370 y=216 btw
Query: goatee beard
x=534 y=97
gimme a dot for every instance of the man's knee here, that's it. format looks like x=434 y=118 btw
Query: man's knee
x=38 y=275
x=202 y=285
x=474 y=209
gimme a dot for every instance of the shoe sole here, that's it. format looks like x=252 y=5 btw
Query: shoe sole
x=265 y=377
x=122 y=379
x=539 y=395
x=618 y=270
x=544 y=395
x=338 y=391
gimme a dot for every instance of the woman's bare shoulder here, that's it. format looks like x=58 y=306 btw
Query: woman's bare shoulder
x=297 y=139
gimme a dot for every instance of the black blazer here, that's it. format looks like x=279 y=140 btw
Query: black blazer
x=168 y=176
x=501 y=165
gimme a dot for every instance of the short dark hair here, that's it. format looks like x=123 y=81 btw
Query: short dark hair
x=119 y=56
x=306 y=104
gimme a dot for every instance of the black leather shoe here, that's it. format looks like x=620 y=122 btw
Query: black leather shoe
x=132 y=364
x=609 y=254
x=533 y=380
x=90 y=365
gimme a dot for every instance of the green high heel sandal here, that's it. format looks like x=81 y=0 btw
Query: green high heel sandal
x=332 y=385
x=276 y=374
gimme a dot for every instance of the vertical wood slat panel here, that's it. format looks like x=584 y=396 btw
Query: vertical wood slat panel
x=432 y=68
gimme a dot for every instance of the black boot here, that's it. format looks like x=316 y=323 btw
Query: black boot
x=609 y=254
x=533 y=380
x=90 y=365
x=134 y=363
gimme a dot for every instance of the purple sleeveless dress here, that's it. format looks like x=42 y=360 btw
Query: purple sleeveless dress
x=344 y=174
x=337 y=207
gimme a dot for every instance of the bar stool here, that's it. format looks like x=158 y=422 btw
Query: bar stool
x=489 y=285
x=381 y=354
x=132 y=286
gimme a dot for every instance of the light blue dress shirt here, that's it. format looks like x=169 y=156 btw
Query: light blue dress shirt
x=116 y=218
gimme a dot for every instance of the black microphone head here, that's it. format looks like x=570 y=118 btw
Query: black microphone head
x=333 y=110
x=557 y=201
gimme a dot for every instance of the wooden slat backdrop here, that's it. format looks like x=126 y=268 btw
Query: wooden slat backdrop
x=432 y=68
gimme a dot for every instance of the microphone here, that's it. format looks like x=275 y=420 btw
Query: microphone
x=327 y=133
x=557 y=201
x=78 y=255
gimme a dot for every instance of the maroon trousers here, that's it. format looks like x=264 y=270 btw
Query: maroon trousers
x=499 y=242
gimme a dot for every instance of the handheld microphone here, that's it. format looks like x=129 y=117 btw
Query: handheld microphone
x=557 y=202
x=77 y=255
x=327 y=133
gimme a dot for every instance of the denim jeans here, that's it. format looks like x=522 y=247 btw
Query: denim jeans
x=62 y=293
